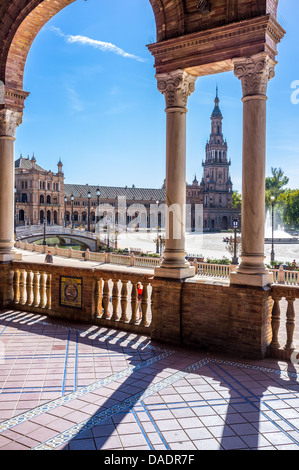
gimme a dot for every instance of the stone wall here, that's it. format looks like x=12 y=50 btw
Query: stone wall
x=231 y=319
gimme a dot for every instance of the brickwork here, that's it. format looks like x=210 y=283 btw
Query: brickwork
x=166 y=322
x=21 y=21
x=235 y=320
x=6 y=286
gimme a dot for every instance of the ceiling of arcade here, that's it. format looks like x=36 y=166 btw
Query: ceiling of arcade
x=201 y=36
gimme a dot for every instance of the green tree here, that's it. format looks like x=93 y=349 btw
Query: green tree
x=236 y=200
x=288 y=206
x=275 y=184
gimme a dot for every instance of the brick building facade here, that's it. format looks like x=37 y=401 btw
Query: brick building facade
x=42 y=194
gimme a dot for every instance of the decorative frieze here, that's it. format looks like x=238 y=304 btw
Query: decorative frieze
x=254 y=73
x=176 y=86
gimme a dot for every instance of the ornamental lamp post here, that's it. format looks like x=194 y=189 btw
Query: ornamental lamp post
x=72 y=213
x=272 y=242
x=65 y=202
x=235 y=225
x=88 y=222
x=45 y=223
x=98 y=198
x=157 y=240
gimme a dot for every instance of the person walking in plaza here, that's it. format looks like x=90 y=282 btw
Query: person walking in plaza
x=49 y=258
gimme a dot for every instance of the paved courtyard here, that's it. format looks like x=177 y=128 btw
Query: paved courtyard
x=81 y=387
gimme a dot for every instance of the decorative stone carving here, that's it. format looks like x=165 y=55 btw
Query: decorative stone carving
x=9 y=121
x=254 y=73
x=176 y=87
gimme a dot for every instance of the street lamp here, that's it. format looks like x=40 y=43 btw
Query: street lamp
x=45 y=223
x=65 y=202
x=157 y=240
x=72 y=214
x=15 y=212
x=272 y=247
x=235 y=225
x=88 y=222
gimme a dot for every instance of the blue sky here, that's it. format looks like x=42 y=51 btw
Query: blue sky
x=94 y=101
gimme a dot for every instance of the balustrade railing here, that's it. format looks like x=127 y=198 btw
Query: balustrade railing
x=221 y=271
x=107 y=297
x=283 y=335
x=212 y=270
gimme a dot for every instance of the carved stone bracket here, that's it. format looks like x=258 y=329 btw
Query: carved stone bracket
x=9 y=121
x=176 y=86
x=254 y=73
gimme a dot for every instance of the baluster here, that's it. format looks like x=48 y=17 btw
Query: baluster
x=134 y=303
x=275 y=323
x=42 y=303
x=290 y=324
x=106 y=300
x=144 y=305
x=124 y=302
x=98 y=297
x=35 y=289
x=29 y=288
x=48 y=292
x=22 y=284
x=16 y=286
x=115 y=300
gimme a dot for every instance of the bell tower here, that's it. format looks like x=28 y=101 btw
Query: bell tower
x=216 y=181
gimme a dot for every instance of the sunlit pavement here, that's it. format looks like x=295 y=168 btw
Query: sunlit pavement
x=81 y=387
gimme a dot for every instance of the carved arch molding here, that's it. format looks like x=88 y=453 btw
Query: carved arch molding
x=176 y=21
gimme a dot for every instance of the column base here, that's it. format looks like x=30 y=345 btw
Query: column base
x=255 y=280
x=11 y=256
x=174 y=273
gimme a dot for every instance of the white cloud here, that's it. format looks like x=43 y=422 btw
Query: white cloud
x=76 y=103
x=101 y=45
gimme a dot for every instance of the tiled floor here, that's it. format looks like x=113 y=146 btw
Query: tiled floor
x=69 y=386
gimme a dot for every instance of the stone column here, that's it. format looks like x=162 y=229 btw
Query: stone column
x=254 y=73
x=176 y=86
x=9 y=120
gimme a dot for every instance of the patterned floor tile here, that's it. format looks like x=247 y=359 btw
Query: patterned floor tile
x=67 y=386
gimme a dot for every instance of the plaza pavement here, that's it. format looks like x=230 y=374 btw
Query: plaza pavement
x=67 y=386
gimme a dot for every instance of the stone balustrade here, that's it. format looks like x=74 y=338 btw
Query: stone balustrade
x=220 y=271
x=109 y=298
x=286 y=332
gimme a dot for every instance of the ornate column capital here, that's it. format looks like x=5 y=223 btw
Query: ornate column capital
x=9 y=121
x=176 y=86
x=254 y=73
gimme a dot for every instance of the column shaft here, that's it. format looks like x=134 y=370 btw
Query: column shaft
x=9 y=120
x=254 y=73
x=176 y=87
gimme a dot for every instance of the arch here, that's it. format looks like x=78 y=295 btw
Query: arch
x=224 y=223
x=23 y=23
x=21 y=216
x=49 y=217
x=48 y=199
x=41 y=199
